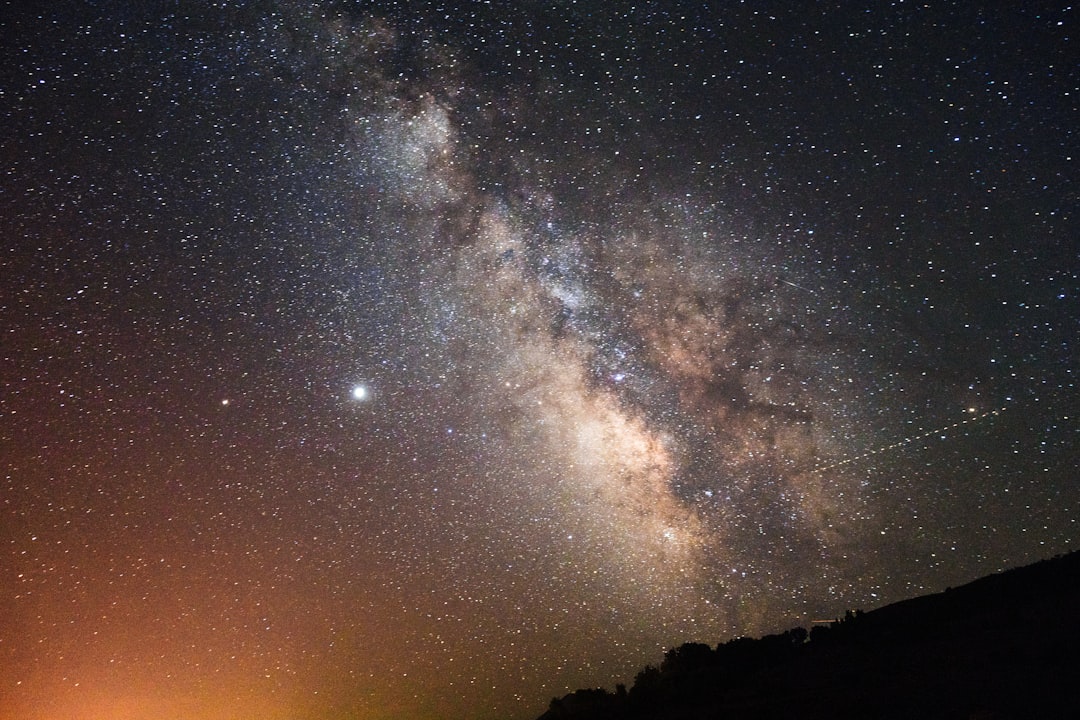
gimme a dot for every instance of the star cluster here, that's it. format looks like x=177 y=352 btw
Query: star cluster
x=390 y=361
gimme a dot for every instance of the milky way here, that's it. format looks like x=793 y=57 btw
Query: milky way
x=364 y=362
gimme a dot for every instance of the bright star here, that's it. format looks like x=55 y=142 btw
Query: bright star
x=359 y=392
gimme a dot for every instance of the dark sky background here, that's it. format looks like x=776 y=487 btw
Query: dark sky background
x=404 y=361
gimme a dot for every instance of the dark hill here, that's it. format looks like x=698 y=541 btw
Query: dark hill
x=1004 y=646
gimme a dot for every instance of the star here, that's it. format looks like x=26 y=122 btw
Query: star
x=479 y=357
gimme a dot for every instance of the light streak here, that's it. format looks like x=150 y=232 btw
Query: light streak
x=906 y=441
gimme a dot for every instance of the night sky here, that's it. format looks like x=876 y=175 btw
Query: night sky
x=403 y=361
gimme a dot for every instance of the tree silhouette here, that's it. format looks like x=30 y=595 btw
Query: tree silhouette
x=687 y=657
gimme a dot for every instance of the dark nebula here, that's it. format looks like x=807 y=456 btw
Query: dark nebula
x=386 y=361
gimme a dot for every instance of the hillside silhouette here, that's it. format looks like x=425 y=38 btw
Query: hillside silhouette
x=1003 y=646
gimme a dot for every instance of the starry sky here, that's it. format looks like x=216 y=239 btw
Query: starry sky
x=428 y=360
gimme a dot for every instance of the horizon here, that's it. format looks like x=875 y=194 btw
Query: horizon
x=403 y=362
